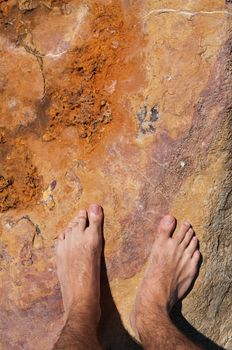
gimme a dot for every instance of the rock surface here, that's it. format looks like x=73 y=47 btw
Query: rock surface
x=123 y=103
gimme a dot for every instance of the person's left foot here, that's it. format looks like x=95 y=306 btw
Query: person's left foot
x=78 y=264
x=171 y=269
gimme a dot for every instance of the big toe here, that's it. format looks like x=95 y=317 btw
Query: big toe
x=95 y=215
x=167 y=226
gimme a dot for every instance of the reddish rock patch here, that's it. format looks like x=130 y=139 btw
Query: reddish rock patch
x=20 y=183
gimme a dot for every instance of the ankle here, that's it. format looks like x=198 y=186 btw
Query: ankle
x=159 y=305
x=155 y=323
x=146 y=322
x=83 y=316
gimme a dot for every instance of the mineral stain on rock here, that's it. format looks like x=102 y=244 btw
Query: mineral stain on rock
x=146 y=120
x=154 y=114
x=20 y=184
x=87 y=99
x=2 y=136
x=6 y=201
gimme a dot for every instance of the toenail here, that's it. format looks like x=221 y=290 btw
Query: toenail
x=186 y=223
x=169 y=219
x=94 y=208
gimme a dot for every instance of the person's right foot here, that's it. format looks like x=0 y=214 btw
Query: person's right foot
x=78 y=264
x=171 y=268
x=79 y=251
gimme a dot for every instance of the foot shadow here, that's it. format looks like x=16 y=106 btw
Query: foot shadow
x=186 y=328
x=190 y=332
x=112 y=334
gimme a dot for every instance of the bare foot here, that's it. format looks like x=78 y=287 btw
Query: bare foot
x=171 y=268
x=78 y=265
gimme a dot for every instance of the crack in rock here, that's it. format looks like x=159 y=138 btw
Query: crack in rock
x=36 y=226
x=161 y=11
x=39 y=59
x=28 y=44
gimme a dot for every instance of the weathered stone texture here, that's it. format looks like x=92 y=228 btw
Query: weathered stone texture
x=128 y=104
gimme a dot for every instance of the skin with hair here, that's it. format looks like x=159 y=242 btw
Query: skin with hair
x=78 y=267
x=171 y=268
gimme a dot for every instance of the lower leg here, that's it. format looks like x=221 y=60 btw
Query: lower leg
x=159 y=333
x=171 y=268
x=78 y=333
x=78 y=267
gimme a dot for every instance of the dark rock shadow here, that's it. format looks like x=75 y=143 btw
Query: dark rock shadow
x=112 y=334
x=190 y=332
x=186 y=328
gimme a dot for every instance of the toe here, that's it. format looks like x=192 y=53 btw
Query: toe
x=180 y=234
x=167 y=226
x=82 y=219
x=95 y=215
x=196 y=257
x=187 y=238
x=192 y=246
x=195 y=263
